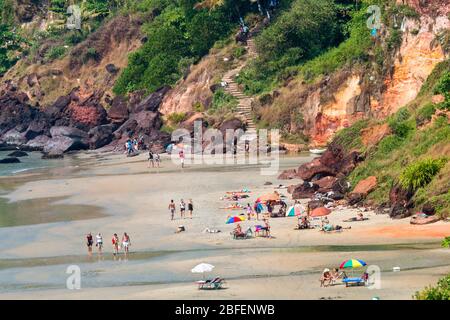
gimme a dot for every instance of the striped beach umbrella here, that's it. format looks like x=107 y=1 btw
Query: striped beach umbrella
x=235 y=219
x=352 y=263
x=294 y=211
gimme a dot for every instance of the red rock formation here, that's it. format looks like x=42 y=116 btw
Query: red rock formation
x=365 y=186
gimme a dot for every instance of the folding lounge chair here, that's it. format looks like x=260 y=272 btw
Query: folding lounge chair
x=216 y=283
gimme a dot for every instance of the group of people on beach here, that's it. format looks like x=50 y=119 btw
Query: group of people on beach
x=154 y=159
x=126 y=242
x=330 y=276
x=134 y=145
x=182 y=206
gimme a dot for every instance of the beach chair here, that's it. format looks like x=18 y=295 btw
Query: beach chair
x=261 y=231
x=245 y=235
x=213 y=284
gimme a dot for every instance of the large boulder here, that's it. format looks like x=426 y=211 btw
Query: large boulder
x=304 y=190
x=61 y=144
x=326 y=183
x=66 y=139
x=314 y=168
x=79 y=109
x=288 y=174
x=335 y=161
x=63 y=131
x=101 y=136
x=231 y=124
x=152 y=101
x=118 y=112
x=38 y=143
x=19 y=121
x=365 y=186
x=14 y=137
x=400 y=201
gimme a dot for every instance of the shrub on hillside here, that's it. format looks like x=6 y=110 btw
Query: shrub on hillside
x=176 y=117
x=425 y=113
x=420 y=173
x=440 y=292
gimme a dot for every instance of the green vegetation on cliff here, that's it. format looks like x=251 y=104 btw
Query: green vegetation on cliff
x=439 y=292
x=415 y=153
x=180 y=33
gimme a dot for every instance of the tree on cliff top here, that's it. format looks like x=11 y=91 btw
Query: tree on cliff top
x=10 y=46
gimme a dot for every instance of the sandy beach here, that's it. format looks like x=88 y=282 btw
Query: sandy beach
x=110 y=193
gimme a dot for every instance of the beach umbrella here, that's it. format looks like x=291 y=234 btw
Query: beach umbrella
x=202 y=268
x=352 y=263
x=235 y=219
x=275 y=196
x=320 y=212
x=293 y=211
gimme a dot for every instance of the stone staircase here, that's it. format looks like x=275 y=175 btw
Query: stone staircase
x=244 y=109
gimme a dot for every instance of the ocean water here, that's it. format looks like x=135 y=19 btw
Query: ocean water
x=32 y=162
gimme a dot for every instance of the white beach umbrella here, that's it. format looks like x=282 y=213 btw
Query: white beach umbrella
x=202 y=268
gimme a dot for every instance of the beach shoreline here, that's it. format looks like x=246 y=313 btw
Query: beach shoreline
x=134 y=199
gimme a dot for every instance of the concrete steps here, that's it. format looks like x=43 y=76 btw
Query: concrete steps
x=244 y=108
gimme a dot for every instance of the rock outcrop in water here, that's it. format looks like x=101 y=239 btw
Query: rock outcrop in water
x=10 y=160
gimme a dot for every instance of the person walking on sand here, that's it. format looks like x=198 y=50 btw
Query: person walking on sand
x=99 y=244
x=249 y=211
x=181 y=155
x=157 y=160
x=150 y=159
x=126 y=242
x=89 y=243
x=172 y=209
x=182 y=208
x=115 y=243
x=190 y=208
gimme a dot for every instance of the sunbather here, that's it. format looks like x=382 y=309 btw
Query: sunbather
x=336 y=275
x=329 y=227
x=326 y=277
x=303 y=223
x=359 y=217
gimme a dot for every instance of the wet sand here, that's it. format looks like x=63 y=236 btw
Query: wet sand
x=34 y=257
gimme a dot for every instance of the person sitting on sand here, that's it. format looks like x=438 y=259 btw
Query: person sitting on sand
x=238 y=230
x=303 y=223
x=326 y=277
x=336 y=275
